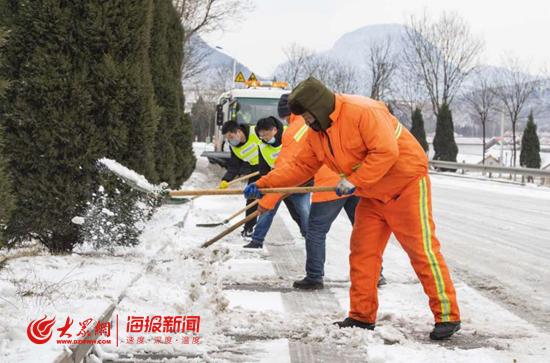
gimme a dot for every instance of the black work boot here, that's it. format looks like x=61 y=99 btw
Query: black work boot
x=352 y=323
x=247 y=233
x=381 y=280
x=308 y=283
x=253 y=244
x=444 y=330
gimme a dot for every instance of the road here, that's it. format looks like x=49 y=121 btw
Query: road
x=497 y=239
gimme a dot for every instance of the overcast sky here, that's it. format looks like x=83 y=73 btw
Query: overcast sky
x=520 y=27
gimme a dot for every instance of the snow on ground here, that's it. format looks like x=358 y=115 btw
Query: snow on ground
x=490 y=230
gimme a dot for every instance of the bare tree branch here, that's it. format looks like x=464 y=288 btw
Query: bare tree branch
x=194 y=61
x=382 y=64
x=515 y=87
x=482 y=100
x=343 y=78
x=300 y=63
x=203 y=16
x=443 y=52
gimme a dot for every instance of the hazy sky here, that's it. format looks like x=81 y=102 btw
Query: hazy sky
x=519 y=27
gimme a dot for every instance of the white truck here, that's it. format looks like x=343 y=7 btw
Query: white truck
x=247 y=105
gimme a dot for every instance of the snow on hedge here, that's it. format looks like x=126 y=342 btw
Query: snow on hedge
x=129 y=175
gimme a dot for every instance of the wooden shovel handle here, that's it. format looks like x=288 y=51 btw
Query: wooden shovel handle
x=292 y=190
x=254 y=203
x=230 y=229
x=244 y=177
x=235 y=181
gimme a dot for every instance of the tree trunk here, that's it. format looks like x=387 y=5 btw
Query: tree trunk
x=483 y=127
x=514 y=144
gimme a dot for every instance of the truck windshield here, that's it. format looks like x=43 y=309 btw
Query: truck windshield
x=253 y=109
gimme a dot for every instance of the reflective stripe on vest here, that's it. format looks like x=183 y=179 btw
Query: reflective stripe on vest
x=249 y=151
x=298 y=136
x=398 y=130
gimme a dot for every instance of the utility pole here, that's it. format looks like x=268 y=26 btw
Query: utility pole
x=234 y=71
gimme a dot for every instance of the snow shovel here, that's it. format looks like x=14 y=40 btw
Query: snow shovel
x=230 y=229
x=225 y=221
x=157 y=192
x=235 y=226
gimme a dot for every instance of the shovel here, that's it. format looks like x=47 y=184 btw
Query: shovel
x=230 y=229
x=235 y=226
x=225 y=221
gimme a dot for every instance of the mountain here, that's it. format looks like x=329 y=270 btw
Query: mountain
x=216 y=58
x=354 y=47
x=216 y=72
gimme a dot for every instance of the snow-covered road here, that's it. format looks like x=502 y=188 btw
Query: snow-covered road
x=497 y=239
x=494 y=236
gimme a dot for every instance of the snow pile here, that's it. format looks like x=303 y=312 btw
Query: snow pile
x=114 y=219
x=78 y=220
x=130 y=175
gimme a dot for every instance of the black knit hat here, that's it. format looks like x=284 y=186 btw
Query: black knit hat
x=282 y=107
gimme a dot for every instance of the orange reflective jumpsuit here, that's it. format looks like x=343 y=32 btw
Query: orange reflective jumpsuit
x=292 y=141
x=390 y=171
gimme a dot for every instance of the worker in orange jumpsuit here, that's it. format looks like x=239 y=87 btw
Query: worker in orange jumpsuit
x=382 y=163
x=325 y=206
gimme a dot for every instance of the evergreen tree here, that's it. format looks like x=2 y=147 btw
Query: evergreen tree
x=530 y=145
x=173 y=152
x=85 y=88
x=417 y=129
x=444 y=141
x=182 y=136
x=47 y=130
x=165 y=81
x=142 y=107
x=185 y=159
x=7 y=200
x=202 y=118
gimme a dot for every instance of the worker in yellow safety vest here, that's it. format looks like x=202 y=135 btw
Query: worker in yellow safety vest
x=273 y=152
x=244 y=159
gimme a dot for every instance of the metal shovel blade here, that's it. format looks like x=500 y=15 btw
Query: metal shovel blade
x=210 y=224
x=176 y=201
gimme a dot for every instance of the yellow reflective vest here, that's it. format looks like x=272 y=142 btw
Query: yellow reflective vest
x=270 y=153
x=249 y=151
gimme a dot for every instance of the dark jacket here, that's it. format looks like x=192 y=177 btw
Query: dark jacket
x=236 y=166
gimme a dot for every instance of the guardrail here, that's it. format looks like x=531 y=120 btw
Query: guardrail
x=489 y=169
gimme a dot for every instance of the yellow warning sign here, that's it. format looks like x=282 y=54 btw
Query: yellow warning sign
x=252 y=78
x=240 y=77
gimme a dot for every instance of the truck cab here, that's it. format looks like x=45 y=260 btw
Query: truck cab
x=247 y=105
